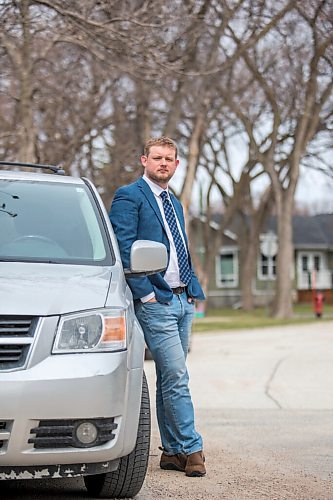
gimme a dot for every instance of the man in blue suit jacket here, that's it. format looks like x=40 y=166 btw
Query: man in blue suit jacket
x=164 y=302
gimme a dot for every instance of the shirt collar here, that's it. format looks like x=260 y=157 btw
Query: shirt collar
x=156 y=189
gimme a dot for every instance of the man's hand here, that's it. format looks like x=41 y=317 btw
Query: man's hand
x=152 y=300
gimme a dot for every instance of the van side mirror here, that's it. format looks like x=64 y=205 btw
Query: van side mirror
x=147 y=257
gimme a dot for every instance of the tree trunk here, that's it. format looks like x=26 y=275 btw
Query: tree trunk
x=192 y=162
x=282 y=307
x=27 y=152
x=248 y=266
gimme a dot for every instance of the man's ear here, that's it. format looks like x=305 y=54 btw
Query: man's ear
x=143 y=160
x=177 y=163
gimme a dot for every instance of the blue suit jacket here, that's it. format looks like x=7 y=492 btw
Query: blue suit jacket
x=135 y=215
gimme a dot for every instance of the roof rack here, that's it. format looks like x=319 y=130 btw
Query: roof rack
x=54 y=169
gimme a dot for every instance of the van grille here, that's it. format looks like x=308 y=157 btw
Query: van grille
x=5 y=430
x=16 y=337
x=2 y=427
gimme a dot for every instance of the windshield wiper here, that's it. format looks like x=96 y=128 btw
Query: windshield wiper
x=15 y=259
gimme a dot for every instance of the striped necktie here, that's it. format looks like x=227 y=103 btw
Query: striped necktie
x=184 y=268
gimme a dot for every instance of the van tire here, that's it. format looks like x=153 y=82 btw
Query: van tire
x=127 y=480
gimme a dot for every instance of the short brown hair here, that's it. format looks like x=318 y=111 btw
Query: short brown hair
x=159 y=141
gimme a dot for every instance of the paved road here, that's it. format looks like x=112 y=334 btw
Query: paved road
x=264 y=404
x=264 y=401
x=284 y=368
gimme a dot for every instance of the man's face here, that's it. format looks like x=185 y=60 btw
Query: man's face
x=160 y=164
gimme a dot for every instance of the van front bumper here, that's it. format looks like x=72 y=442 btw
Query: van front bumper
x=57 y=471
x=65 y=388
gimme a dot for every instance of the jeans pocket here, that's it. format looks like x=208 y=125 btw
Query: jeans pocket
x=156 y=303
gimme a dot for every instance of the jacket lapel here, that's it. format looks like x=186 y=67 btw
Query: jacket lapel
x=143 y=186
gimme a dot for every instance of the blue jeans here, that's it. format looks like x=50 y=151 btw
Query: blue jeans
x=167 y=329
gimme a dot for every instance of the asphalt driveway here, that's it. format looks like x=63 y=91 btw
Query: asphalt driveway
x=264 y=404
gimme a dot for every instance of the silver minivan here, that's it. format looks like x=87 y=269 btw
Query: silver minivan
x=73 y=396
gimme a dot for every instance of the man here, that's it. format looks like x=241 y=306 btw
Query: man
x=164 y=302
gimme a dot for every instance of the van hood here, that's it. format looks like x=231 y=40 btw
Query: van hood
x=31 y=289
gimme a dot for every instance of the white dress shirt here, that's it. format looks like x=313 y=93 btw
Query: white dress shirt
x=172 y=273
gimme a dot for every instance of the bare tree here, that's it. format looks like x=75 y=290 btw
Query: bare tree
x=284 y=103
x=86 y=83
x=72 y=89
x=245 y=212
x=195 y=95
x=21 y=60
x=298 y=119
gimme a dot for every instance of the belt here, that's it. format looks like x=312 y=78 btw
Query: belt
x=179 y=289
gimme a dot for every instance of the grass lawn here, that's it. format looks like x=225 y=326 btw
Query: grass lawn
x=230 y=319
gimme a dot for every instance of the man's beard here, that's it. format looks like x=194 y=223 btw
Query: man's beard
x=160 y=177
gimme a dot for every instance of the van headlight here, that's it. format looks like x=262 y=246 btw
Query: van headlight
x=93 y=331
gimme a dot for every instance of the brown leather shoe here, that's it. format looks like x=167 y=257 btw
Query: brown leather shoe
x=173 y=462
x=195 y=466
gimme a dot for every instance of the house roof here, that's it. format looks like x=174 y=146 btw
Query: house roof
x=309 y=231
x=315 y=231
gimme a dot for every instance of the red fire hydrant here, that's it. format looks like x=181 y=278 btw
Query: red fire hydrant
x=319 y=304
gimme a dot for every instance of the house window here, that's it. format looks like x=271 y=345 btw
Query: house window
x=310 y=261
x=316 y=262
x=227 y=269
x=305 y=263
x=316 y=273
x=267 y=267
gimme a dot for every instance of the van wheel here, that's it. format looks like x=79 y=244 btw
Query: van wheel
x=127 y=480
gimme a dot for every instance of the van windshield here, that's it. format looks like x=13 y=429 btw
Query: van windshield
x=51 y=222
